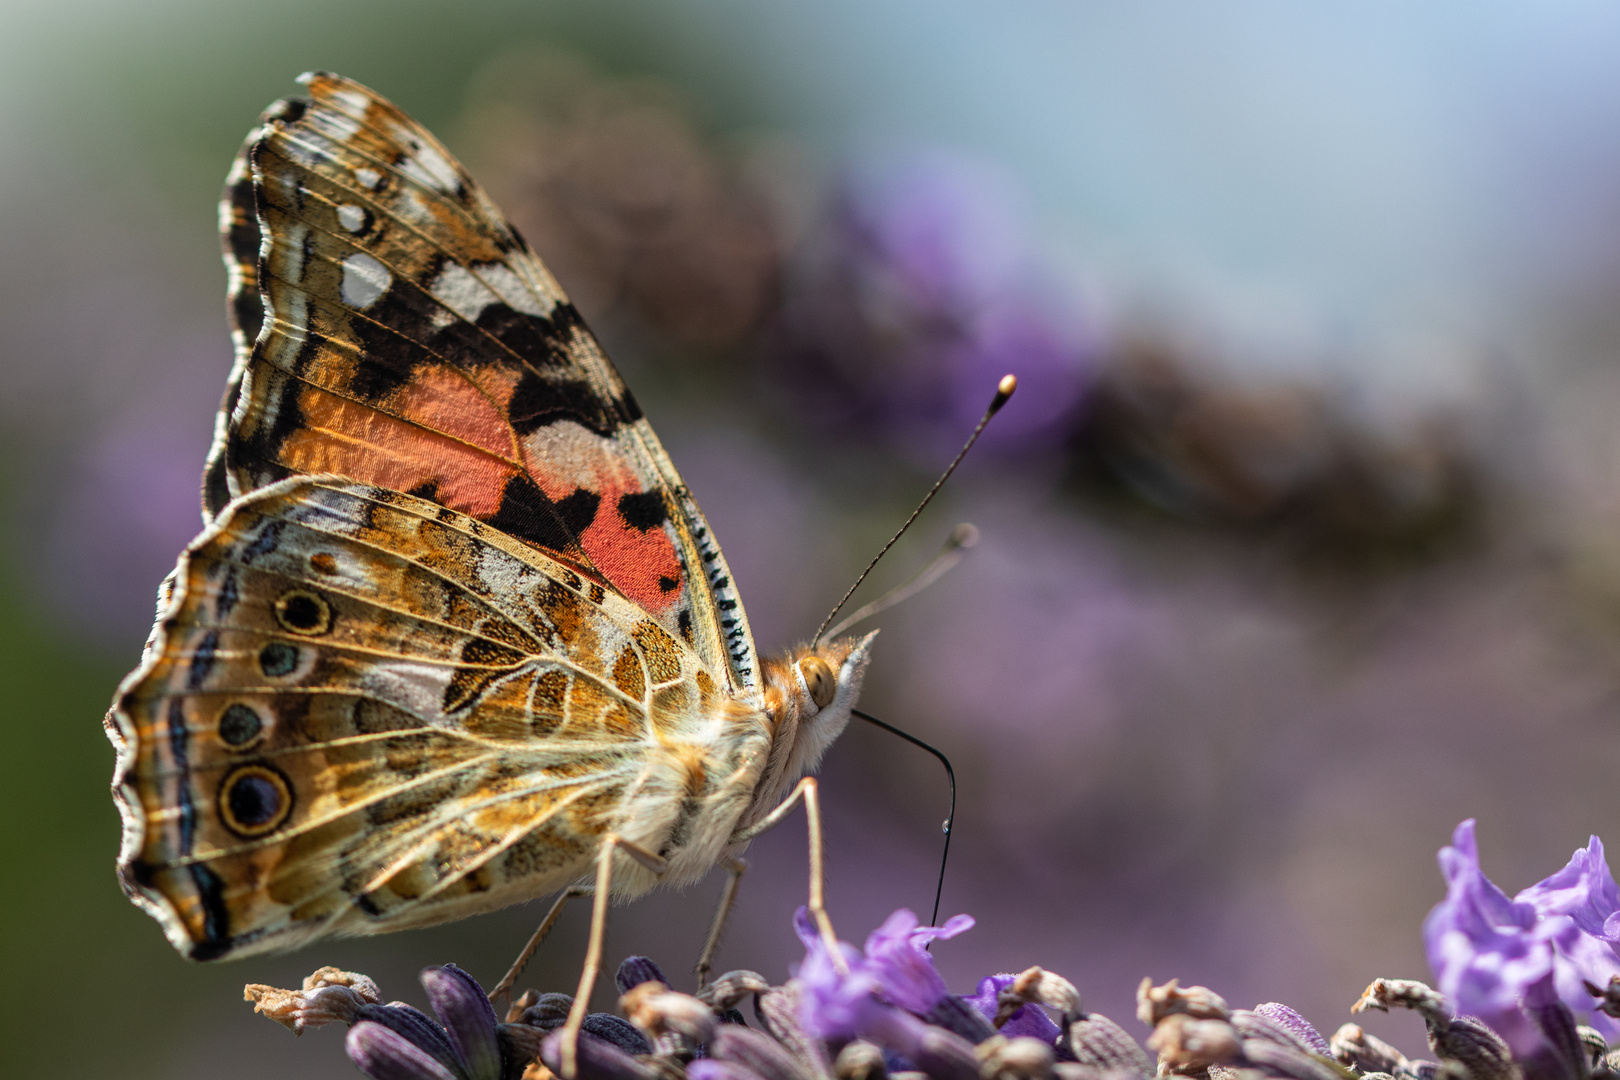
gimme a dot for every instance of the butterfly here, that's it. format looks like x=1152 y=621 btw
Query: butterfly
x=454 y=622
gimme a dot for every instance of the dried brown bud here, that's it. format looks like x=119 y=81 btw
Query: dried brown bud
x=1355 y=1049
x=1187 y=1044
x=328 y=995
x=732 y=987
x=1037 y=986
x=1384 y=994
x=1154 y=1003
x=659 y=1011
x=1024 y=1058
x=860 y=1060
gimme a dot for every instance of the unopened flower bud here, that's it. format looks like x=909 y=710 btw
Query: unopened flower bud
x=637 y=970
x=1481 y=1052
x=943 y=1055
x=1154 y=1003
x=595 y=1059
x=1276 y=1021
x=781 y=1009
x=1099 y=1043
x=756 y=1052
x=1283 y=1060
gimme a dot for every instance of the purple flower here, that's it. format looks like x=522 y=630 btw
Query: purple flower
x=897 y=956
x=895 y=970
x=1488 y=951
x=1030 y=1020
x=836 y=1004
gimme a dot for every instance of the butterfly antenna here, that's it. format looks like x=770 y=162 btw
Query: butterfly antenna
x=950 y=774
x=963 y=537
x=1004 y=390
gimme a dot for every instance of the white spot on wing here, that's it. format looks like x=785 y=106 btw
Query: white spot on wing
x=335 y=125
x=468 y=292
x=368 y=178
x=364 y=280
x=350 y=101
x=426 y=165
x=458 y=289
x=513 y=290
x=351 y=217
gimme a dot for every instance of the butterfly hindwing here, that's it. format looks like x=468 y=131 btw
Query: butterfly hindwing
x=393 y=328
x=360 y=711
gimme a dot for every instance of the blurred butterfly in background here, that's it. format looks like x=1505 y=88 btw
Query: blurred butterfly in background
x=454 y=619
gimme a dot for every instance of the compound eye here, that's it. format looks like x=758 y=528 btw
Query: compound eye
x=819 y=678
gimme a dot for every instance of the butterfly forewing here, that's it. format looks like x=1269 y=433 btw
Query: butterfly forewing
x=393 y=328
x=362 y=711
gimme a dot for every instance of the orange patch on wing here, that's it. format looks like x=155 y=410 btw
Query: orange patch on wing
x=564 y=458
x=451 y=434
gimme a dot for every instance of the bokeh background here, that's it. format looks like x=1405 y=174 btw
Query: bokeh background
x=1300 y=544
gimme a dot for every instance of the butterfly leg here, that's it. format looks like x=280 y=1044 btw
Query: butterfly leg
x=611 y=844
x=512 y=973
x=735 y=868
x=806 y=790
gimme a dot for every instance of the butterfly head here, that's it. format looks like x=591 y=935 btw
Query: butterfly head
x=809 y=694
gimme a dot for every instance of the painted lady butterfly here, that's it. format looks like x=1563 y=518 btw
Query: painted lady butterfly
x=455 y=628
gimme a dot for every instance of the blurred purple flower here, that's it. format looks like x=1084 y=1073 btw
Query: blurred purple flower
x=1030 y=1020
x=1487 y=950
x=923 y=290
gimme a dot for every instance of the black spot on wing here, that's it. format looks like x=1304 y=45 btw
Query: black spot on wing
x=267 y=541
x=643 y=510
x=288 y=110
x=538 y=401
x=578 y=509
x=229 y=594
x=216 y=939
x=202 y=660
x=529 y=336
x=392 y=333
x=216 y=490
x=527 y=514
